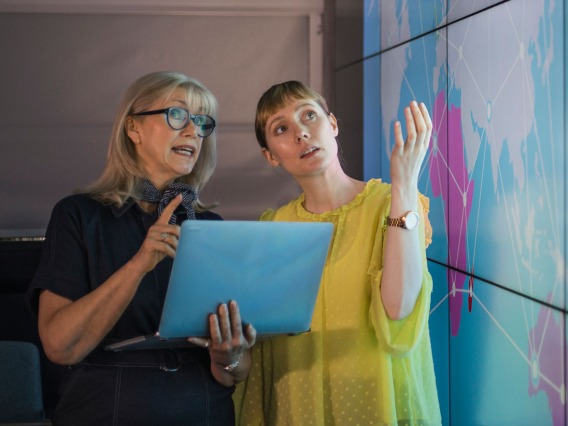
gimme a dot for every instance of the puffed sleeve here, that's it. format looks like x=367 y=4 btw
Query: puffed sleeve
x=400 y=337
x=267 y=215
x=425 y=201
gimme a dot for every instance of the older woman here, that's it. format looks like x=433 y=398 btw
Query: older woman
x=106 y=265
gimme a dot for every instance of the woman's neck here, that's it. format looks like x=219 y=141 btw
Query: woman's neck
x=329 y=191
x=147 y=206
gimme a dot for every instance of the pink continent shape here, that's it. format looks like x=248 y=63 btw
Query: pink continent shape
x=546 y=357
x=449 y=177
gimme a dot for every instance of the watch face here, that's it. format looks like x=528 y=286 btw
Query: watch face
x=411 y=220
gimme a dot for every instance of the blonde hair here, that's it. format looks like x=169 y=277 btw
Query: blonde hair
x=276 y=98
x=117 y=182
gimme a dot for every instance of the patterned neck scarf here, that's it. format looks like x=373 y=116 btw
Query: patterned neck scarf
x=146 y=191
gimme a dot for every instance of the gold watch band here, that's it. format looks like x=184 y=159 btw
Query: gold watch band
x=395 y=221
x=408 y=221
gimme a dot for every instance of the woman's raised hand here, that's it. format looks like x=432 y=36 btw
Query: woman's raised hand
x=161 y=239
x=407 y=157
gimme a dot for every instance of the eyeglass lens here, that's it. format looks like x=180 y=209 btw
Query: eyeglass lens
x=178 y=118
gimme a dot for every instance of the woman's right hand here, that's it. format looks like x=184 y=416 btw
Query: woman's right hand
x=161 y=240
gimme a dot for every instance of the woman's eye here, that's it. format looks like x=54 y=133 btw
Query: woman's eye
x=176 y=114
x=310 y=115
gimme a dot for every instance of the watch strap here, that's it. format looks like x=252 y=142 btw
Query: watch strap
x=407 y=221
x=395 y=221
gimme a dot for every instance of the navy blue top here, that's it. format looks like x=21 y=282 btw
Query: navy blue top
x=86 y=242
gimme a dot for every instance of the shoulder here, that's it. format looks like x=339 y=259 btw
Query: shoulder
x=82 y=209
x=76 y=201
x=268 y=215
x=373 y=199
x=77 y=204
x=377 y=188
x=286 y=212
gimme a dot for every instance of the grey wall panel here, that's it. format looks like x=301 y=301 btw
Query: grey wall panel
x=63 y=75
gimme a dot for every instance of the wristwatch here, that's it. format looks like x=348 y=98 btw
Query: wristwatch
x=409 y=220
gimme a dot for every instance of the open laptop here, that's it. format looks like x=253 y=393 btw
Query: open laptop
x=272 y=269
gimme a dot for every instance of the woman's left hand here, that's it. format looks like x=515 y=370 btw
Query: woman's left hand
x=229 y=345
x=407 y=157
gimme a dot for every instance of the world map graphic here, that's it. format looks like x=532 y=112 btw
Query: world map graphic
x=492 y=77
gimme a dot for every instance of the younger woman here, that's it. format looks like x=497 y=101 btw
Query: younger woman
x=367 y=359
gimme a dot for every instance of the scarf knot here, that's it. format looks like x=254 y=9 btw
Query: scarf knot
x=146 y=191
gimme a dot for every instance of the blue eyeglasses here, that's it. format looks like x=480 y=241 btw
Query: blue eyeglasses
x=178 y=118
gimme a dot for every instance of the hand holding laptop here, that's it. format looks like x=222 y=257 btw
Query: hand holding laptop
x=228 y=344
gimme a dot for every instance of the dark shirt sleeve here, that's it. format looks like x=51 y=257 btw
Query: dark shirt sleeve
x=87 y=242
x=63 y=264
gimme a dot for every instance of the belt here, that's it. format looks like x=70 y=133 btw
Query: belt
x=164 y=359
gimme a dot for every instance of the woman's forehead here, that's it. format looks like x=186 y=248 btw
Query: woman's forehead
x=293 y=105
x=182 y=97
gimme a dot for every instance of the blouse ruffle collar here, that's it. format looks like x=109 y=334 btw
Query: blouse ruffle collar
x=359 y=198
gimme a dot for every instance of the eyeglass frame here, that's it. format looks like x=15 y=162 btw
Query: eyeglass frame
x=191 y=117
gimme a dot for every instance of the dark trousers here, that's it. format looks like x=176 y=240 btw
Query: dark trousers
x=144 y=390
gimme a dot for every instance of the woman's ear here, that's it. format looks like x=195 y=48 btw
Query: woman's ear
x=269 y=157
x=132 y=130
x=334 y=124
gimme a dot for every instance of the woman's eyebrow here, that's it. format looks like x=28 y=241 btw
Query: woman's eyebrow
x=178 y=100
x=187 y=105
x=299 y=107
x=303 y=105
x=274 y=120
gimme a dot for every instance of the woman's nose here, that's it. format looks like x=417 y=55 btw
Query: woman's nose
x=190 y=129
x=301 y=134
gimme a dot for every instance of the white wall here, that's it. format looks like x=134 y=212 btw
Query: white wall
x=65 y=65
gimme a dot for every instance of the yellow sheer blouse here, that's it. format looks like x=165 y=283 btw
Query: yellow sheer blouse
x=355 y=366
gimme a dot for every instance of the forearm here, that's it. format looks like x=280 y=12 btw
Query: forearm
x=402 y=261
x=402 y=264
x=71 y=330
